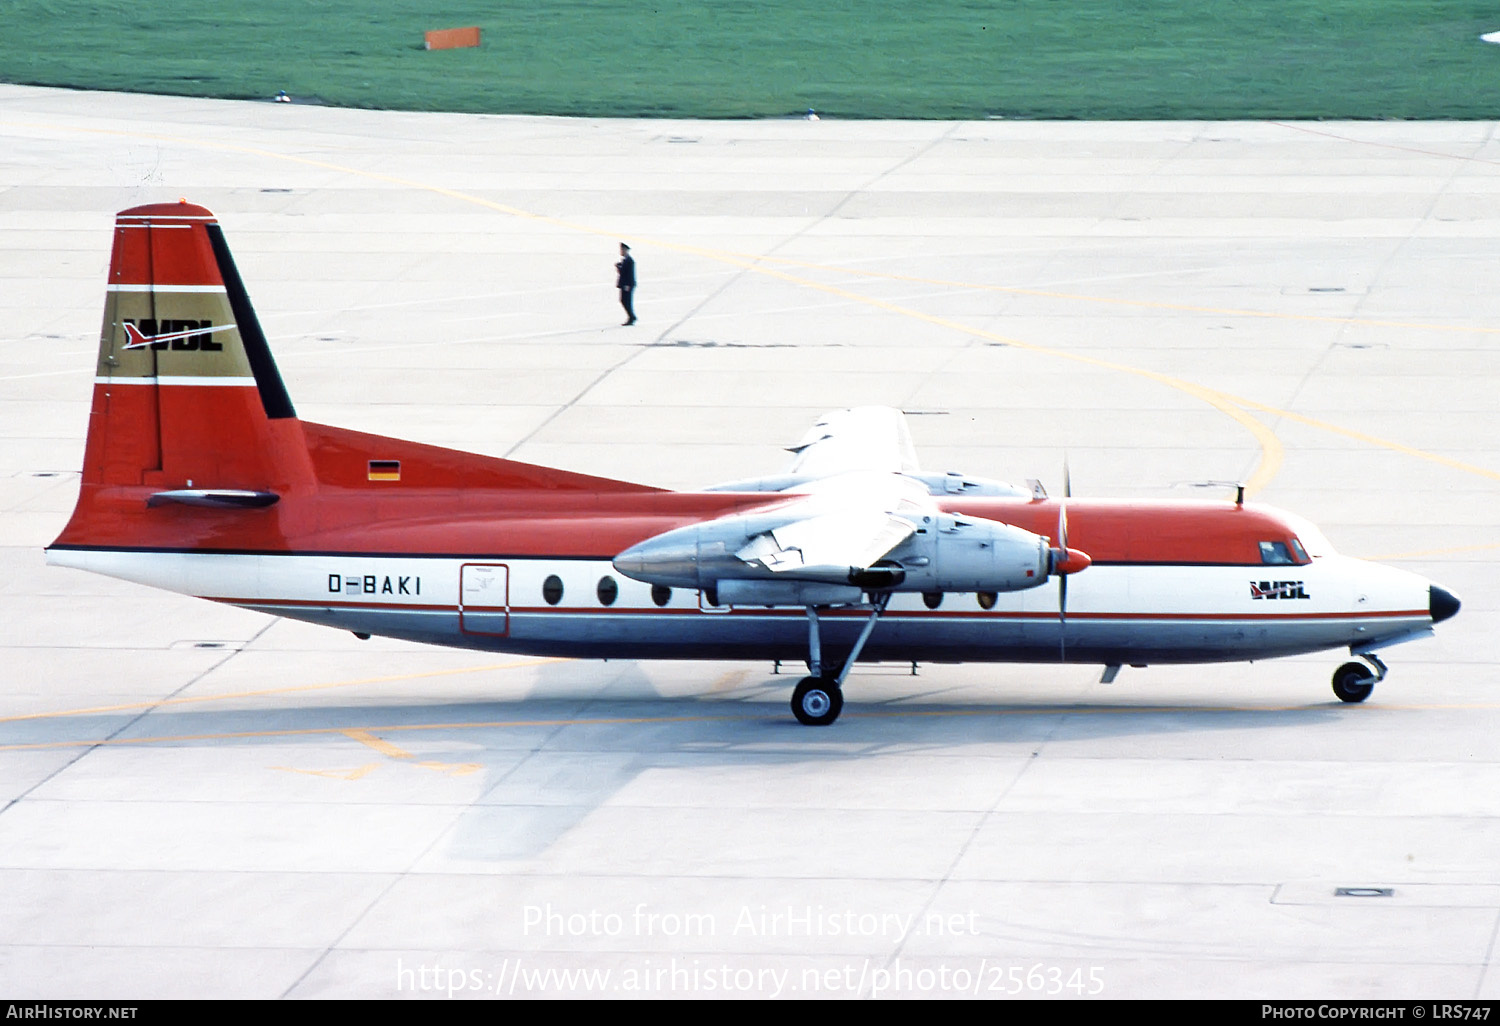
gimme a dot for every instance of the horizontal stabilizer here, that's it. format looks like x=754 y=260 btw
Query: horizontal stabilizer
x=215 y=498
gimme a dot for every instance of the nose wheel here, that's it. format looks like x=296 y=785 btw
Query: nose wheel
x=1353 y=682
x=817 y=701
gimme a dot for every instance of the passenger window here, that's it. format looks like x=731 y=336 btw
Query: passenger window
x=607 y=591
x=552 y=590
x=1274 y=553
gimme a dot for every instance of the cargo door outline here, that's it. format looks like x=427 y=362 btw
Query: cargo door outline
x=484 y=599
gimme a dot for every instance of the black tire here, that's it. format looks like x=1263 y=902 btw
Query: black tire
x=817 y=701
x=1353 y=682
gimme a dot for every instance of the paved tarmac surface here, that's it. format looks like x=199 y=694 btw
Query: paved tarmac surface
x=199 y=801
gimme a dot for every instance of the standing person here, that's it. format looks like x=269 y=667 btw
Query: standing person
x=625 y=282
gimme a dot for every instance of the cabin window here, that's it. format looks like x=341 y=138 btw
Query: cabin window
x=1275 y=553
x=987 y=599
x=661 y=594
x=932 y=599
x=552 y=590
x=607 y=591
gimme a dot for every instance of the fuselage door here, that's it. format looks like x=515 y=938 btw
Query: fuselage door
x=484 y=599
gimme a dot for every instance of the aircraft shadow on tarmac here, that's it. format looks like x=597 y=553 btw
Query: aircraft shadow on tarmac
x=535 y=767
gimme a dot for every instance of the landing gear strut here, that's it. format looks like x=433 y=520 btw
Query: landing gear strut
x=1353 y=682
x=817 y=700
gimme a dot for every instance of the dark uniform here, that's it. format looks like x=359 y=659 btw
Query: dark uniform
x=625 y=282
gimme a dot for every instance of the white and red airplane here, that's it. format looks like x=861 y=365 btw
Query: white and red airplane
x=199 y=477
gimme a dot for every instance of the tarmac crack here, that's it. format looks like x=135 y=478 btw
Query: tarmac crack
x=68 y=764
x=922 y=914
x=1360 y=302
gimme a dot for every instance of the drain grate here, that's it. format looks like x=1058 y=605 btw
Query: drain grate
x=226 y=645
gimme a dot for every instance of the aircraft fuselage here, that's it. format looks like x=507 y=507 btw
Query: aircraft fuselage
x=1170 y=582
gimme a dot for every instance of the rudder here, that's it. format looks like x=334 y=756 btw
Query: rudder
x=185 y=390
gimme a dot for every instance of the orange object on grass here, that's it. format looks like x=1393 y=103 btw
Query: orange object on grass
x=451 y=39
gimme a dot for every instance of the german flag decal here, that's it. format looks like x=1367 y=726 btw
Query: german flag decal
x=385 y=470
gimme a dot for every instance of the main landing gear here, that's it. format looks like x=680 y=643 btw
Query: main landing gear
x=1353 y=682
x=817 y=700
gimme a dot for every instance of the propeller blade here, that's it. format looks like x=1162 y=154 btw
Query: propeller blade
x=1062 y=618
x=1062 y=579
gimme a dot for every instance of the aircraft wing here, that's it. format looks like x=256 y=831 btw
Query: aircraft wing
x=849 y=520
x=868 y=438
x=863 y=440
x=859 y=529
x=852 y=538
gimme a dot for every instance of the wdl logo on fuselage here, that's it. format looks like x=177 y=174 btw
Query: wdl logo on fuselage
x=1278 y=590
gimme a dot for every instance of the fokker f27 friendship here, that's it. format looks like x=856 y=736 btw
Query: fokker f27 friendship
x=200 y=478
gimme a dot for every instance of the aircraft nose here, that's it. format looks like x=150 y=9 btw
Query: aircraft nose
x=1441 y=603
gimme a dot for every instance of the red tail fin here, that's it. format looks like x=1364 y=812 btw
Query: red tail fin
x=185 y=392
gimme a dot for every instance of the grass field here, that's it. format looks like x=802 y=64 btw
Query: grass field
x=771 y=58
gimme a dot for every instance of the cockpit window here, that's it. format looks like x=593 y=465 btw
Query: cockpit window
x=1307 y=541
x=1275 y=553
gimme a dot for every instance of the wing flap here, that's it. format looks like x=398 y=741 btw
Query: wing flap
x=830 y=541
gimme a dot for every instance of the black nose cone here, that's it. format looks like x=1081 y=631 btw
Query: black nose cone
x=1441 y=603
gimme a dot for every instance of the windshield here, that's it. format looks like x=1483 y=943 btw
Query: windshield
x=1309 y=538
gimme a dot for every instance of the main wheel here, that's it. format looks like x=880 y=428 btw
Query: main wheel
x=817 y=701
x=1353 y=682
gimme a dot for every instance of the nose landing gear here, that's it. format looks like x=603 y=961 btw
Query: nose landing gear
x=1353 y=682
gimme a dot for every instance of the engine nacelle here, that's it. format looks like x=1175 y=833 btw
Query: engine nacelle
x=702 y=555
x=945 y=553
x=958 y=553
